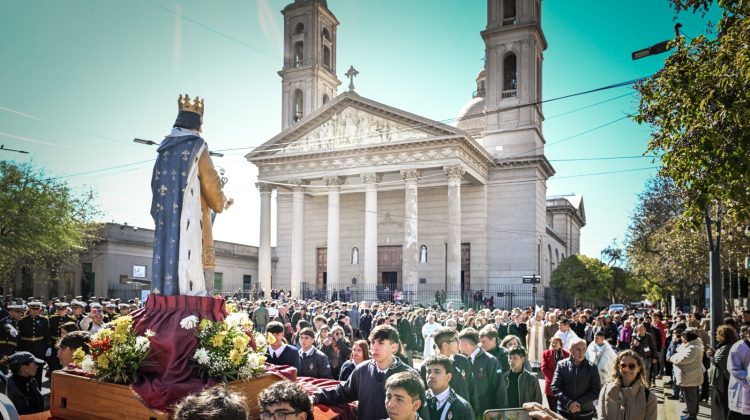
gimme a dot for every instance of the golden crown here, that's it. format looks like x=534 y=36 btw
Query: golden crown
x=185 y=104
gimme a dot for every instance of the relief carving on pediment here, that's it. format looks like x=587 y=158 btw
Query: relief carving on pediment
x=353 y=127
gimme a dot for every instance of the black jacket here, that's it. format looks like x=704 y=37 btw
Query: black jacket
x=25 y=394
x=501 y=354
x=363 y=386
x=365 y=325
x=490 y=388
x=457 y=407
x=315 y=365
x=578 y=383
x=462 y=382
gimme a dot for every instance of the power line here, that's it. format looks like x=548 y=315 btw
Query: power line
x=602 y=158
x=216 y=31
x=435 y=123
x=587 y=106
x=3 y=148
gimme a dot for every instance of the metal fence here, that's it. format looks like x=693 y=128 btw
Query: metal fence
x=490 y=295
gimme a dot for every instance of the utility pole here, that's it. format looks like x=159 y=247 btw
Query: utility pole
x=714 y=255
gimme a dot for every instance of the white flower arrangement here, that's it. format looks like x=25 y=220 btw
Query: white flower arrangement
x=189 y=322
x=142 y=344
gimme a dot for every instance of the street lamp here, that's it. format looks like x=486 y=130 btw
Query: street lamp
x=656 y=48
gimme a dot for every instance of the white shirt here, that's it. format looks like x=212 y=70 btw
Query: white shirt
x=307 y=353
x=278 y=351
x=474 y=354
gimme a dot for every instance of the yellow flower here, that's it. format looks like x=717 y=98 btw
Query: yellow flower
x=261 y=358
x=270 y=338
x=218 y=339
x=241 y=341
x=230 y=307
x=204 y=323
x=102 y=334
x=235 y=357
x=102 y=361
x=78 y=356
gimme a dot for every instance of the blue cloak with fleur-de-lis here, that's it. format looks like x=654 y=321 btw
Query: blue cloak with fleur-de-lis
x=173 y=188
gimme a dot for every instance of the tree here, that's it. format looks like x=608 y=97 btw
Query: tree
x=42 y=223
x=698 y=106
x=667 y=256
x=587 y=279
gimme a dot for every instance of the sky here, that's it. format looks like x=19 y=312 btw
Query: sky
x=79 y=79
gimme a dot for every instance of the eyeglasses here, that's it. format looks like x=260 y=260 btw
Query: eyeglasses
x=631 y=366
x=337 y=334
x=277 y=415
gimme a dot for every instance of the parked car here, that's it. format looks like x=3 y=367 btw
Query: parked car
x=618 y=307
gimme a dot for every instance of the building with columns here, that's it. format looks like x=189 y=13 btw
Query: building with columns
x=370 y=197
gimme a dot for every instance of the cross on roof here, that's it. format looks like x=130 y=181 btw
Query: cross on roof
x=350 y=74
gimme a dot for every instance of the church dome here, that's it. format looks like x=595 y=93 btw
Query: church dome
x=471 y=118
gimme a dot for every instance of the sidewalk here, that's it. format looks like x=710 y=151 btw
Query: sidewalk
x=673 y=409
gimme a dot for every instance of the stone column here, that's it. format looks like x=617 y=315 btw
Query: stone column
x=453 y=274
x=264 y=250
x=411 y=234
x=334 y=250
x=371 y=232
x=298 y=235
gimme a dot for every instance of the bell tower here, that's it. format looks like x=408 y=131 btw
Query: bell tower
x=514 y=47
x=308 y=78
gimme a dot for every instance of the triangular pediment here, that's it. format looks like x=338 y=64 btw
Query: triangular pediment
x=350 y=121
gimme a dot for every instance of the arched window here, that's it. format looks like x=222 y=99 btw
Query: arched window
x=326 y=34
x=557 y=256
x=509 y=75
x=355 y=256
x=551 y=261
x=325 y=99
x=327 y=57
x=299 y=54
x=423 y=254
x=300 y=28
x=298 y=105
x=509 y=12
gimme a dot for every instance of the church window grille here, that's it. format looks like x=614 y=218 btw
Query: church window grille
x=509 y=12
x=327 y=57
x=298 y=105
x=299 y=29
x=509 y=76
x=299 y=54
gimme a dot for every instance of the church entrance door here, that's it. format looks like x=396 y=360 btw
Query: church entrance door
x=389 y=270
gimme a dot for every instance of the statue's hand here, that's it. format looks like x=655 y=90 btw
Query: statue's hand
x=228 y=203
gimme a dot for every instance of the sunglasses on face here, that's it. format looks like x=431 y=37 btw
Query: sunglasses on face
x=630 y=366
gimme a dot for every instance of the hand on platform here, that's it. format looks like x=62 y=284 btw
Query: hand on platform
x=228 y=203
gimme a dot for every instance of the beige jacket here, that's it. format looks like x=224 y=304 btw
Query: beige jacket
x=619 y=403
x=212 y=198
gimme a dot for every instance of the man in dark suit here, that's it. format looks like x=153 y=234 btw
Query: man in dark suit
x=314 y=363
x=490 y=387
x=488 y=340
x=285 y=321
x=441 y=400
x=446 y=341
x=279 y=353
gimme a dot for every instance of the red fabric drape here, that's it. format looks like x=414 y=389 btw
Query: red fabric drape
x=169 y=377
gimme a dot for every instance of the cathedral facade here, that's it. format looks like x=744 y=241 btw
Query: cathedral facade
x=372 y=198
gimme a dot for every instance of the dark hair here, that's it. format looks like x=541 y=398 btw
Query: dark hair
x=385 y=332
x=517 y=351
x=469 y=334
x=214 y=403
x=488 y=331
x=690 y=334
x=303 y=324
x=75 y=340
x=408 y=381
x=601 y=333
x=439 y=359
x=286 y=392
x=443 y=335
x=308 y=332
x=727 y=335
x=364 y=346
x=275 y=327
x=69 y=327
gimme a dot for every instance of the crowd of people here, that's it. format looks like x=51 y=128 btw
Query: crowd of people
x=594 y=363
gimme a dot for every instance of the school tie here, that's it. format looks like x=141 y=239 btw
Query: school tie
x=380 y=376
x=432 y=407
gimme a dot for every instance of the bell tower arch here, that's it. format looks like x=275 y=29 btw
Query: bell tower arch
x=308 y=78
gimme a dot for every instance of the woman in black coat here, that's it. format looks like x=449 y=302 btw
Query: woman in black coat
x=718 y=374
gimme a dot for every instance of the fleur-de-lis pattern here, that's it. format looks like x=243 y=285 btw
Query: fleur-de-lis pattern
x=168 y=186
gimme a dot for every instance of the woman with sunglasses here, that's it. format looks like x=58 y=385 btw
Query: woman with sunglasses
x=337 y=348
x=360 y=353
x=626 y=395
